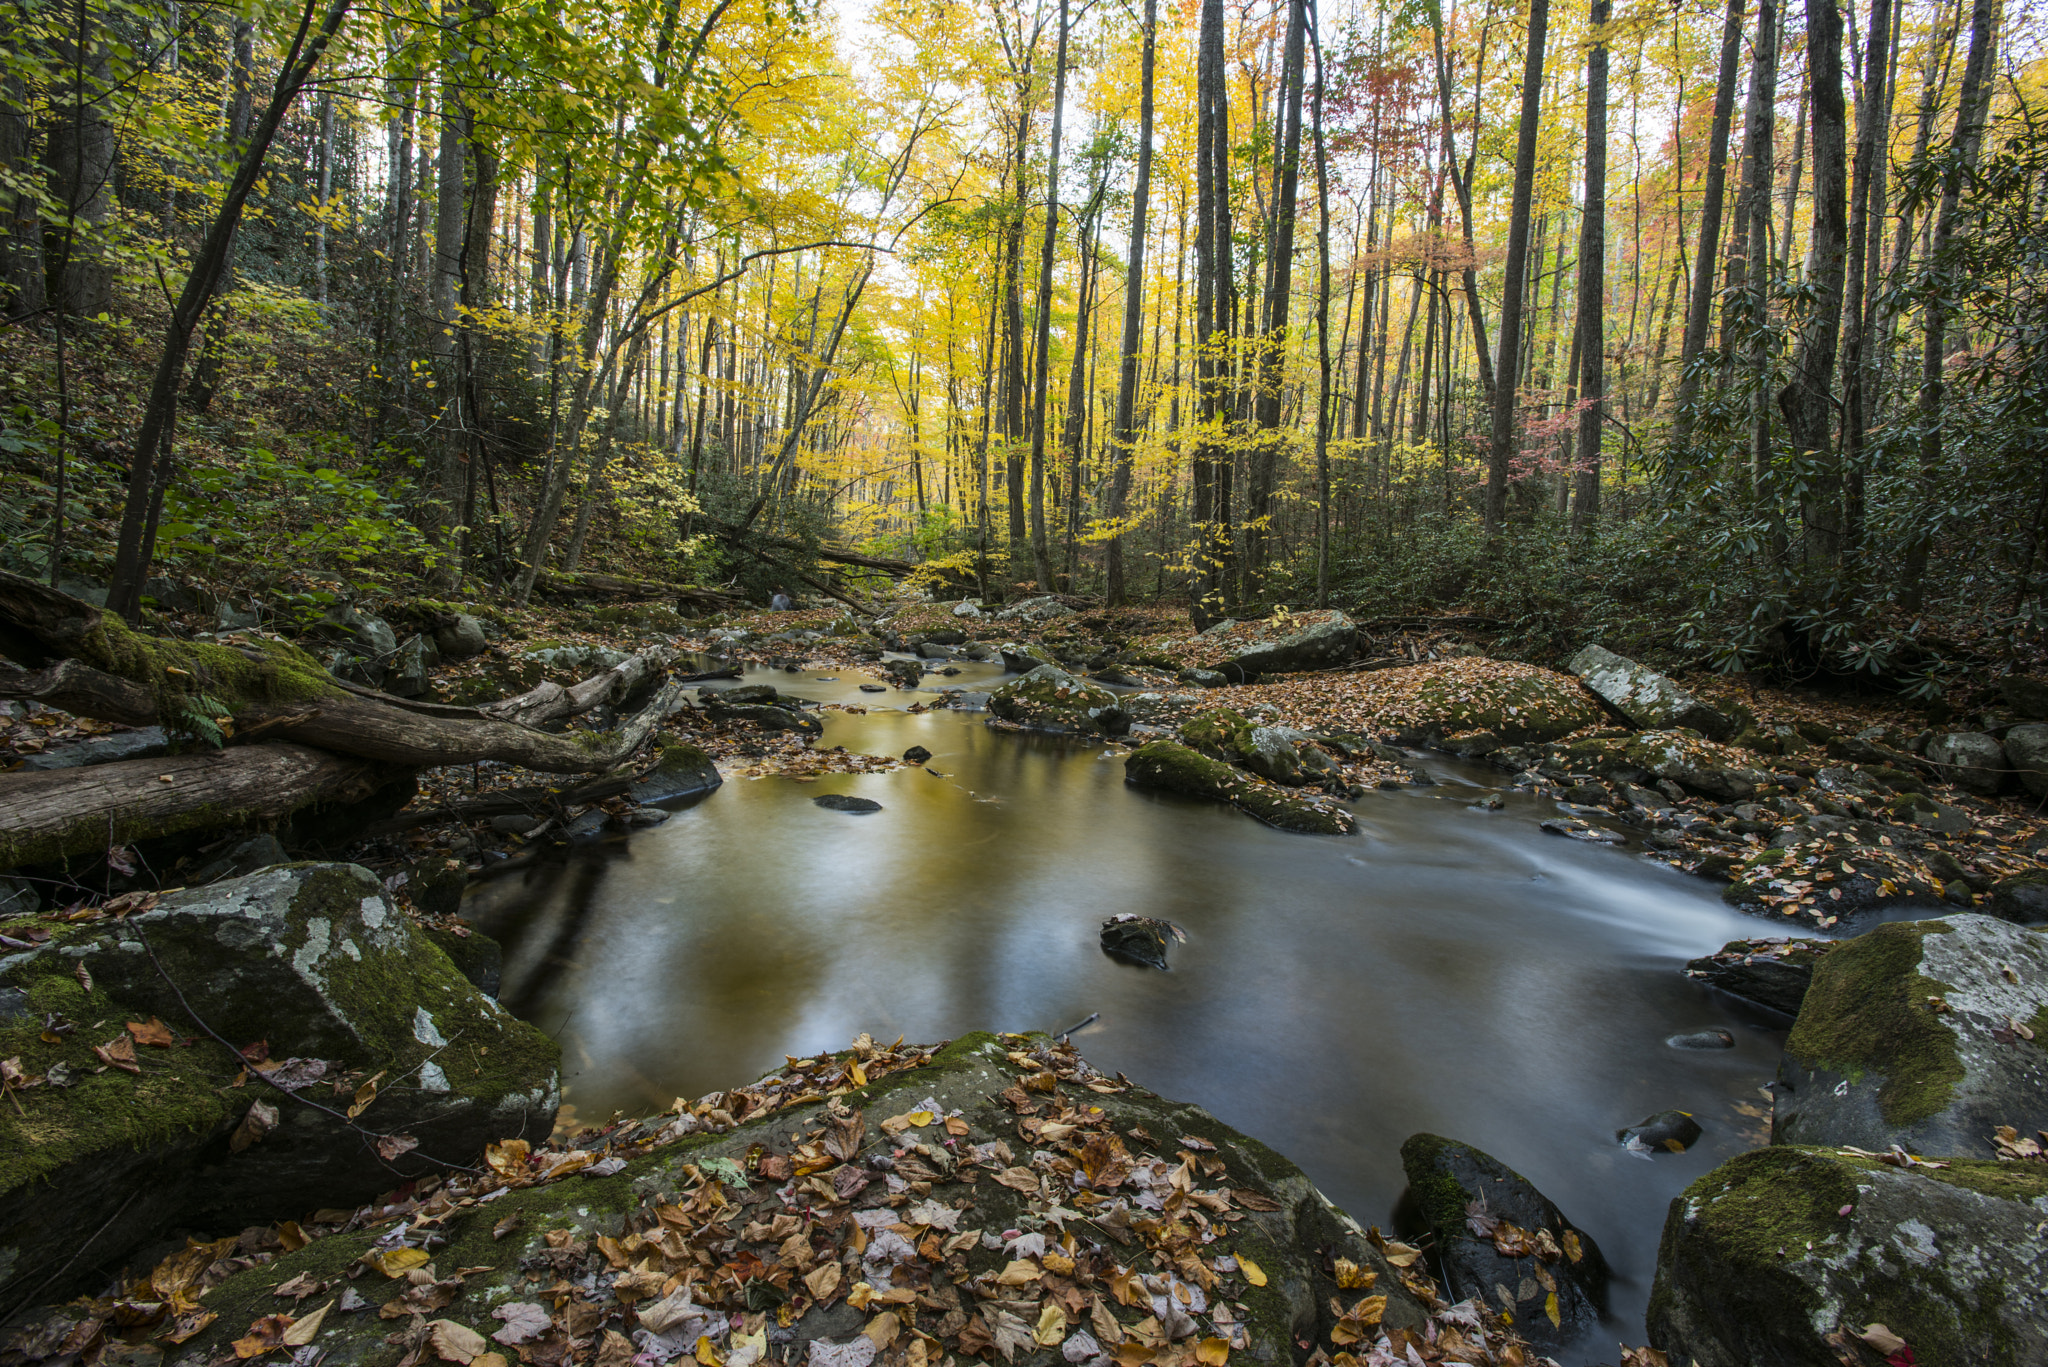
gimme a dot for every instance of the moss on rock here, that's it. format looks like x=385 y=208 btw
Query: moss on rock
x=1163 y=766
x=1866 y=1012
x=1050 y=699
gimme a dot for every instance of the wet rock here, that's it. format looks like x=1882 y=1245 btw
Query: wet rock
x=745 y=695
x=683 y=771
x=1203 y=678
x=1773 y=973
x=1141 y=940
x=436 y=885
x=1972 y=760
x=587 y=827
x=2022 y=898
x=462 y=638
x=1703 y=1039
x=767 y=718
x=968 y=700
x=1295 y=1234
x=1050 y=699
x=1766 y=1258
x=917 y=754
x=147 y=742
x=18 y=897
x=315 y=960
x=1022 y=659
x=517 y=823
x=1907 y=1037
x=476 y=956
x=980 y=652
x=1574 y=829
x=407 y=674
x=1666 y=1131
x=874 y=688
x=1495 y=1232
x=903 y=673
x=639 y=818
x=846 y=802
x=1649 y=699
x=2026 y=749
x=933 y=650
x=582 y=661
x=1163 y=766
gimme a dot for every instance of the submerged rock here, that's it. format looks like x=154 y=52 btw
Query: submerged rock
x=1911 y=1035
x=1666 y=1131
x=1050 y=699
x=767 y=718
x=1502 y=1241
x=1784 y=1256
x=846 y=802
x=1164 y=766
x=1574 y=829
x=1773 y=973
x=1140 y=939
x=129 y=1131
x=917 y=754
x=1702 y=1039
x=1651 y=700
x=961 y=1234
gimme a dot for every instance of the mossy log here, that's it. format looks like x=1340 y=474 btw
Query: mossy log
x=582 y=584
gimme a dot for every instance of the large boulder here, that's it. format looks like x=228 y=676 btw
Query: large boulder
x=1770 y=972
x=2026 y=749
x=1786 y=1257
x=141 y=1119
x=1650 y=700
x=1704 y=766
x=1279 y=753
x=2025 y=695
x=1972 y=760
x=2021 y=898
x=1021 y=657
x=995 y=1200
x=1050 y=699
x=461 y=638
x=1501 y=1240
x=1918 y=1034
x=1163 y=766
x=1303 y=640
x=1506 y=702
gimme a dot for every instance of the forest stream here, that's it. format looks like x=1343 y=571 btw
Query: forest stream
x=1446 y=969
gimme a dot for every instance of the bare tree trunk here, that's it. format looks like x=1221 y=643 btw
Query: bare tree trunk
x=1866 y=216
x=1506 y=425
x=1211 y=467
x=1592 y=324
x=22 y=284
x=1268 y=364
x=212 y=356
x=1700 y=307
x=1042 y=345
x=80 y=155
x=1808 y=401
x=1124 y=437
x=1325 y=399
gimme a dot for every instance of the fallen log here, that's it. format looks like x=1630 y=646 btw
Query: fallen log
x=509 y=802
x=561 y=584
x=551 y=701
x=729 y=532
x=56 y=813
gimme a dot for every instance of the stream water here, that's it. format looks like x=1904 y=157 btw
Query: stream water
x=1445 y=969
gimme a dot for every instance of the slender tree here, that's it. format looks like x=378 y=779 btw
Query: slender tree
x=1506 y=410
x=1124 y=434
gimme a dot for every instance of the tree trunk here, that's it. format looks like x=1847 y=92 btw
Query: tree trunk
x=1866 y=217
x=1211 y=464
x=1041 y=367
x=1506 y=426
x=23 y=289
x=1592 y=322
x=1124 y=436
x=80 y=153
x=213 y=355
x=1700 y=307
x=1808 y=401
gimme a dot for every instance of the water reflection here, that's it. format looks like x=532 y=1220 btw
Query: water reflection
x=1446 y=969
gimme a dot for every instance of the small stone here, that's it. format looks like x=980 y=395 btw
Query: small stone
x=917 y=754
x=1663 y=1130
x=1703 y=1039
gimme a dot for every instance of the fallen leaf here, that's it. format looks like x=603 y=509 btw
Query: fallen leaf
x=302 y=1331
x=1253 y=1273
x=266 y=1334
x=524 y=1322
x=392 y=1145
x=822 y=1281
x=119 y=1052
x=154 y=1033
x=1052 y=1326
x=365 y=1094
x=508 y=1159
x=1212 y=1352
x=396 y=1262
x=1882 y=1339
x=454 y=1342
x=260 y=1119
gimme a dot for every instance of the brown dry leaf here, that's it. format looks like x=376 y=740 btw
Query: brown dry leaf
x=266 y=1334
x=507 y=1225
x=119 y=1052
x=1019 y=1179
x=1252 y=1200
x=1352 y=1277
x=614 y=1350
x=1020 y=1272
x=154 y=1033
x=884 y=1329
x=391 y=1146
x=822 y=1281
x=454 y=1342
x=259 y=1120
x=508 y=1159
x=190 y=1324
x=84 y=977
x=365 y=1094
x=291 y=1236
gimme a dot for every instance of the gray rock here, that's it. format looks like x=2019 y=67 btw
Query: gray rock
x=2022 y=898
x=18 y=897
x=968 y=701
x=257 y=852
x=917 y=754
x=846 y=802
x=1869 y=1062
x=90 y=590
x=768 y=718
x=1972 y=760
x=312 y=958
x=517 y=823
x=406 y=676
x=1767 y=1256
x=743 y=695
x=228 y=617
x=933 y=650
x=1462 y=1191
x=1330 y=640
x=1702 y=1039
x=981 y=652
x=145 y=743
x=1040 y=609
x=1573 y=829
x=2026 y=749
x=683 y=771
x=903 y=673
x=461 y=639
x=584 y=661
x=1203 y=678
x=2024 y=695
x=587 y=827
x=371 y=635
x=1649 y=699
x=1141 y=940
x=1021 y=658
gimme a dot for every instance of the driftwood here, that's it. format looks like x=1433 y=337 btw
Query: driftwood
x=295 y=734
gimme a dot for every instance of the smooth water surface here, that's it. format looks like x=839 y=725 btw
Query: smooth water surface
x=1445 y=969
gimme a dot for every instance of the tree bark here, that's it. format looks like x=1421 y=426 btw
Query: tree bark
x=80 y=156
x=1808 y=401
x=1592 y=320
x=1700 y=306
x=1124 y=436
x=1506 y=425
x=1041 y=367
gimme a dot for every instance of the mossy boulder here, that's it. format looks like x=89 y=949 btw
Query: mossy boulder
x=1289 y=644
x=1163 y=766
x=1490 y=1225
x=1908 y=1036
x=2022 y=898
x=1222 y=733
x=1770 y=1254
x=1689 y=759
x=1050 y=699
x=924 y=1176
x=1021 y=657
x=684 y=770
x=312 y=960
x=1648 y=699
x=1512 y=704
